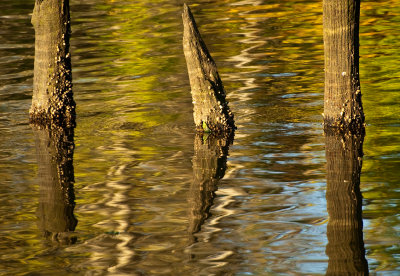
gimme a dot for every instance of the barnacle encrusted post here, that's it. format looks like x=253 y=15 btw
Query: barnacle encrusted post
x=211 y=112
x=343 y=109
x=52 y=101
x=52 y=116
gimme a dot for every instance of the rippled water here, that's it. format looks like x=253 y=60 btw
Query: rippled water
x=134 y=159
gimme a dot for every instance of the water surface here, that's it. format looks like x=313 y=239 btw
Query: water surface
x=135 y=157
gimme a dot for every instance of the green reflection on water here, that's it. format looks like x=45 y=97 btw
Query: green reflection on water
x=380 y=63
x=134 y=140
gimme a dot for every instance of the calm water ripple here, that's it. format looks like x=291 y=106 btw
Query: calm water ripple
x=145 y=202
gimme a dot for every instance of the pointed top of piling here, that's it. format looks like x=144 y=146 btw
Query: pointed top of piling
x=191 y=33
x=187 y=13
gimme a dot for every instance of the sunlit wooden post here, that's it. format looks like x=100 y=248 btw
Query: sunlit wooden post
x=52 y=115
x=213 y=119
x=342 y=101
x=344 y=135
x=211 y=111
x=52 y=100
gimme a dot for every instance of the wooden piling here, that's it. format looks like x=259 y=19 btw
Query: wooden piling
x=52 y=100
x=343 y=108
x=211 y=111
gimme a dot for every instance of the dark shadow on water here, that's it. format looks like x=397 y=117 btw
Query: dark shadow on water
x=54 y=151
x=345 y=247
x=209 y=165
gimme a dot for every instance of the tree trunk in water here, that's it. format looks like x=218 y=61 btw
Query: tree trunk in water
x=345 y=247
x=342 y=104
x=211 y=111
x=209 y=165
x=52 y=100
x=54 y=150
x=343 y=111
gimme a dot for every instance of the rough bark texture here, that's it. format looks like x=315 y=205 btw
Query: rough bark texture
x=52 y=100
x=209 y=165
x=342 y=104
x=211 y=111
x=54 y=150
x=345 y=247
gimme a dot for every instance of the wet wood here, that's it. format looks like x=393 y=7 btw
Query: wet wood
x=54 y=151
x=210 y=108
x=52 y=100
x=342 y=101
x=345 y=247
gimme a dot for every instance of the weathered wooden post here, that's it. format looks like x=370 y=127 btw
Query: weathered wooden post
x=52 y=100
x=209 y=165
x=344 y=135
x=211 y=110
x=214 y=121
x=342 y=104
x=52 y=115
x=54 y=151
x=345 y=247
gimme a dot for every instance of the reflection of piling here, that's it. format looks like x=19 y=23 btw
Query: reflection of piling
x=345 y=247
x=54 y=150
x=211 y=110
x=52 y=100
x=209 y=165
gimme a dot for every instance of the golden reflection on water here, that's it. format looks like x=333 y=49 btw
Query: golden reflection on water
x=134 y=141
